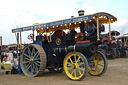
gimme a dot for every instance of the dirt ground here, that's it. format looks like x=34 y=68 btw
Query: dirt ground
x=117 y=74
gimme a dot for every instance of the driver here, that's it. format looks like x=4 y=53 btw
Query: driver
x=90 y=28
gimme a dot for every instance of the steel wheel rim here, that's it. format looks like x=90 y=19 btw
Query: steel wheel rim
x=30 y=61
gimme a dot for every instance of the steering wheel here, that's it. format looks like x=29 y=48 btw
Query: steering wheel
x=90 y=28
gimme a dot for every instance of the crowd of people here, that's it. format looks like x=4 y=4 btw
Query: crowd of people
x=11 y=58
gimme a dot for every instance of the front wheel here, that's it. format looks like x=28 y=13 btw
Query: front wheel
x=75 y=66
x=98 y=65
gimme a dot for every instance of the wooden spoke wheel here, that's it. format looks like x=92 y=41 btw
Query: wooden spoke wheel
x=102 y=50
x=33 y=60
x=75 y=66
x=123 y=53
x=112 y=53
x=99 y=65
x=117 y=54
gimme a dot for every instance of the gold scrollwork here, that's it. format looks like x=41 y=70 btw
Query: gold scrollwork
x=58 y=41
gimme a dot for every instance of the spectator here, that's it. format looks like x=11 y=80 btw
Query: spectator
x=9 y=62
x=19 y=67
x=3 y=62
x=5 y=54
x=10 y=59
x=15 y=54
x=2 y=57
x=10 y=56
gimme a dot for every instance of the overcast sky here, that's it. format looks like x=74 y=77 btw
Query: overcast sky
x=18 y=13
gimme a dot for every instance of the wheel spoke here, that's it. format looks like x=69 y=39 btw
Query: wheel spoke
x=93 y=57
x=101 y=65
x=26 y=55
x=32 y=69
x=72 y=72
x=27 y=58
x=37 y=59
x=97 y=68
x=36 y=54
x=36 y=68
x=29 y=52
x=28 y=67
x=79 y=71
x=75 y=58
x=81 y=63
x=78 y=59
x=37 y=64
x=25 y=62
x=33 y=51
x=69 y=63
x=99 y=59
x=92 y=68
x=71 y=60
x=69 y=68
x=75 y=72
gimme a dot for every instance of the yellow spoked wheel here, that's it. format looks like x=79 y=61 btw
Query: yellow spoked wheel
x=98 y=64
x=75 y=66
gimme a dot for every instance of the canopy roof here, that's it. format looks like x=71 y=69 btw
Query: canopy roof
x=115 y=33
x=66 y=23
x=123 y=37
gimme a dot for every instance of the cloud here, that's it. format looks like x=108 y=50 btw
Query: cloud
x=23 y=13
x=18 y=13
x=121 y=26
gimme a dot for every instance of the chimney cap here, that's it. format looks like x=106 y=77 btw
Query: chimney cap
x=81 y=12
x=72 y=16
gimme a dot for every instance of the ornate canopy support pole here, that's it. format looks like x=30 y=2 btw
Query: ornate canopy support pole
x=20 y=41
x=17 y=41
x=125 y=41
x=110 y=37
x=33 y=35
x=47 y=35
x=50 y=38
x=1 y=43
x=98 y=37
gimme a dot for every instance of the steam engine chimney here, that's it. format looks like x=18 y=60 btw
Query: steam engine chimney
x=81 y=12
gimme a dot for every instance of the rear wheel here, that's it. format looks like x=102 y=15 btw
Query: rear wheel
x=102 y=50
x=112 y=53
x=117 y=54
x=98 y=65
x=33 y=60
x=75 y=66
x=123 y=53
